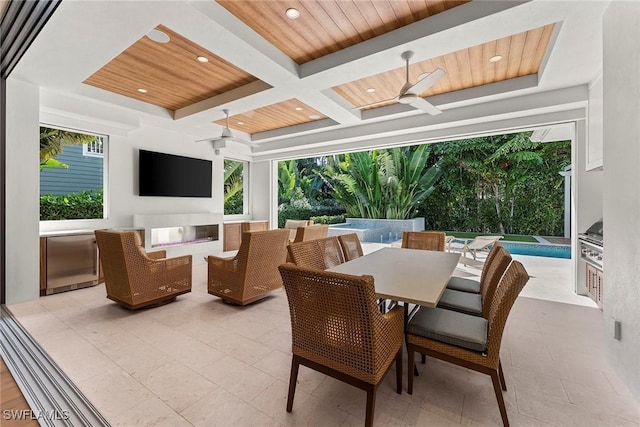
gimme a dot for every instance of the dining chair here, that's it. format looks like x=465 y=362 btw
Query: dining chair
x=319 y=254
x=337 y=330
x=253 y=272
x=311 y=232
x=351 y=247
x=466 y=284
x=479 y=304
x=135 y=278
x=468 y=341
x=293 y=224
x=426 y=240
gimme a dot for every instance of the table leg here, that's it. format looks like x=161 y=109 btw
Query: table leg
x=406 y=322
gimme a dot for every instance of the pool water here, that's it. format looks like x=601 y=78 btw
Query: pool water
x=538 y=249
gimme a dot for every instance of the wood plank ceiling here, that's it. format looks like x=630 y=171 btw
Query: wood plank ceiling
x=286 y=113
x=169 y=72
x=328 y=26
x=521 y=55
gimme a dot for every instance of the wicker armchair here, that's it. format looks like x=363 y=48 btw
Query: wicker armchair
x=135 y=278
x=337 y=329
x=466 y=284
x=468 y=341
x=319 y=254
x=311 y=232
x=426 y=240
x=253 y=272
x=351 y=247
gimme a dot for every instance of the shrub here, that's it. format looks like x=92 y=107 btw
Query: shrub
x=82 y=205
x=328 y=219
x=286 y=211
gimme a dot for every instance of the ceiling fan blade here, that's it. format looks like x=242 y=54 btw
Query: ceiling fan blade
x=374 y=104
x=425 y=106
x=426 y=82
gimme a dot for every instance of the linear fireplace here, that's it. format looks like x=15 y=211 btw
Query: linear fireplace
x=196 y=234
x=174 y=236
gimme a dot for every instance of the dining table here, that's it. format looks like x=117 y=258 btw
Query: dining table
x=413 y=276
x=410 y=276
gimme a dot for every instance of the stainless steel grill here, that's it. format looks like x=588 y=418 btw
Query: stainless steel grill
x=591 y=245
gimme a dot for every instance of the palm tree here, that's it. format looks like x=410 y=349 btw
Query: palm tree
x=52 y=142
x=233 y=186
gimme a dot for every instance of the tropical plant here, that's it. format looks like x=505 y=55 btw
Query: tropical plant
x=381 y=183
x=52 y=142
x=233 y=187
x=287 y=177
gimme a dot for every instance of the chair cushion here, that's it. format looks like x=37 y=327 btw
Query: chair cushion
x=464 y=285
x=450 y=327
x=463 y=302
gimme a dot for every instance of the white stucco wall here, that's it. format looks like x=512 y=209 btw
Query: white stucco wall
x=262 y=193
x=23 y=188
x=621 y=79
x=127 y=134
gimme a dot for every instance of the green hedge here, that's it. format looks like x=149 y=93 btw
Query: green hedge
x=286 y=211
x=328 y=219
x=82 y=205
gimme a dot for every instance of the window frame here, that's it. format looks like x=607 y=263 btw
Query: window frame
x=105 y=138
x=245 y=189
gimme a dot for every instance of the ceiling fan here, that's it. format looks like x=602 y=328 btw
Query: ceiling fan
x=410 y=93
x=221 y=141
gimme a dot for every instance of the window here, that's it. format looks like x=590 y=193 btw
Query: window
x=72 y=166
x=93 y=148
x=235 y=192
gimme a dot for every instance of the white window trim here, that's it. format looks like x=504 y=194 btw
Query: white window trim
x=87 y=153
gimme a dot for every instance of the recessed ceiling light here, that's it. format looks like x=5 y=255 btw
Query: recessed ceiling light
x=141 y=90
x=158 y=36
x=314 y=117
x=240 y=123
x=495 y=58
x=202 y=59
x=371 y=89
x=298 y=108
x=292 y=13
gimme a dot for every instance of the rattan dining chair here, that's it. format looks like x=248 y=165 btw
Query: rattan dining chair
x=468 y=341
x=336 y=329
x=480 y=303
x=466 y=284
x=135 y=278
x=426 y=240
x=253 y=272
x=351 y=247
x=311 y=232
x=293 y=224
x=319 y=254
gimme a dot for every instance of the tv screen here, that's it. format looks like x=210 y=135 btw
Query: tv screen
x=169 y=175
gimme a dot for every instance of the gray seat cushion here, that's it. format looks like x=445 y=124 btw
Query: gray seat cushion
x=450 y=327
x=464 y=285
x=463 y=302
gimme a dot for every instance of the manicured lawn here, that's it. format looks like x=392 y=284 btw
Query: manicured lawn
x=507 y=237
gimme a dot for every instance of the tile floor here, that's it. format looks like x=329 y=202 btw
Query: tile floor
x=200 y=362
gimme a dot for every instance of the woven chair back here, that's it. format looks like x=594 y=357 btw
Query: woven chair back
x=495 y=269
x=260 y=254
x=351 y=247
x=426 y=240
x=335 y=321
x=319 y=254
x=490 y=256
x=508 y=290
x=311 y=232
x=134 y=279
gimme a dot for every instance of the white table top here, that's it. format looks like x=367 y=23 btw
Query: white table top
x=408 y=275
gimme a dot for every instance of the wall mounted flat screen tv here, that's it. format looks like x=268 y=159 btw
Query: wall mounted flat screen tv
x=169 y=175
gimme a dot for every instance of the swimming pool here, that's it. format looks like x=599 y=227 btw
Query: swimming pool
x=538 y=249
x=535 y=249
